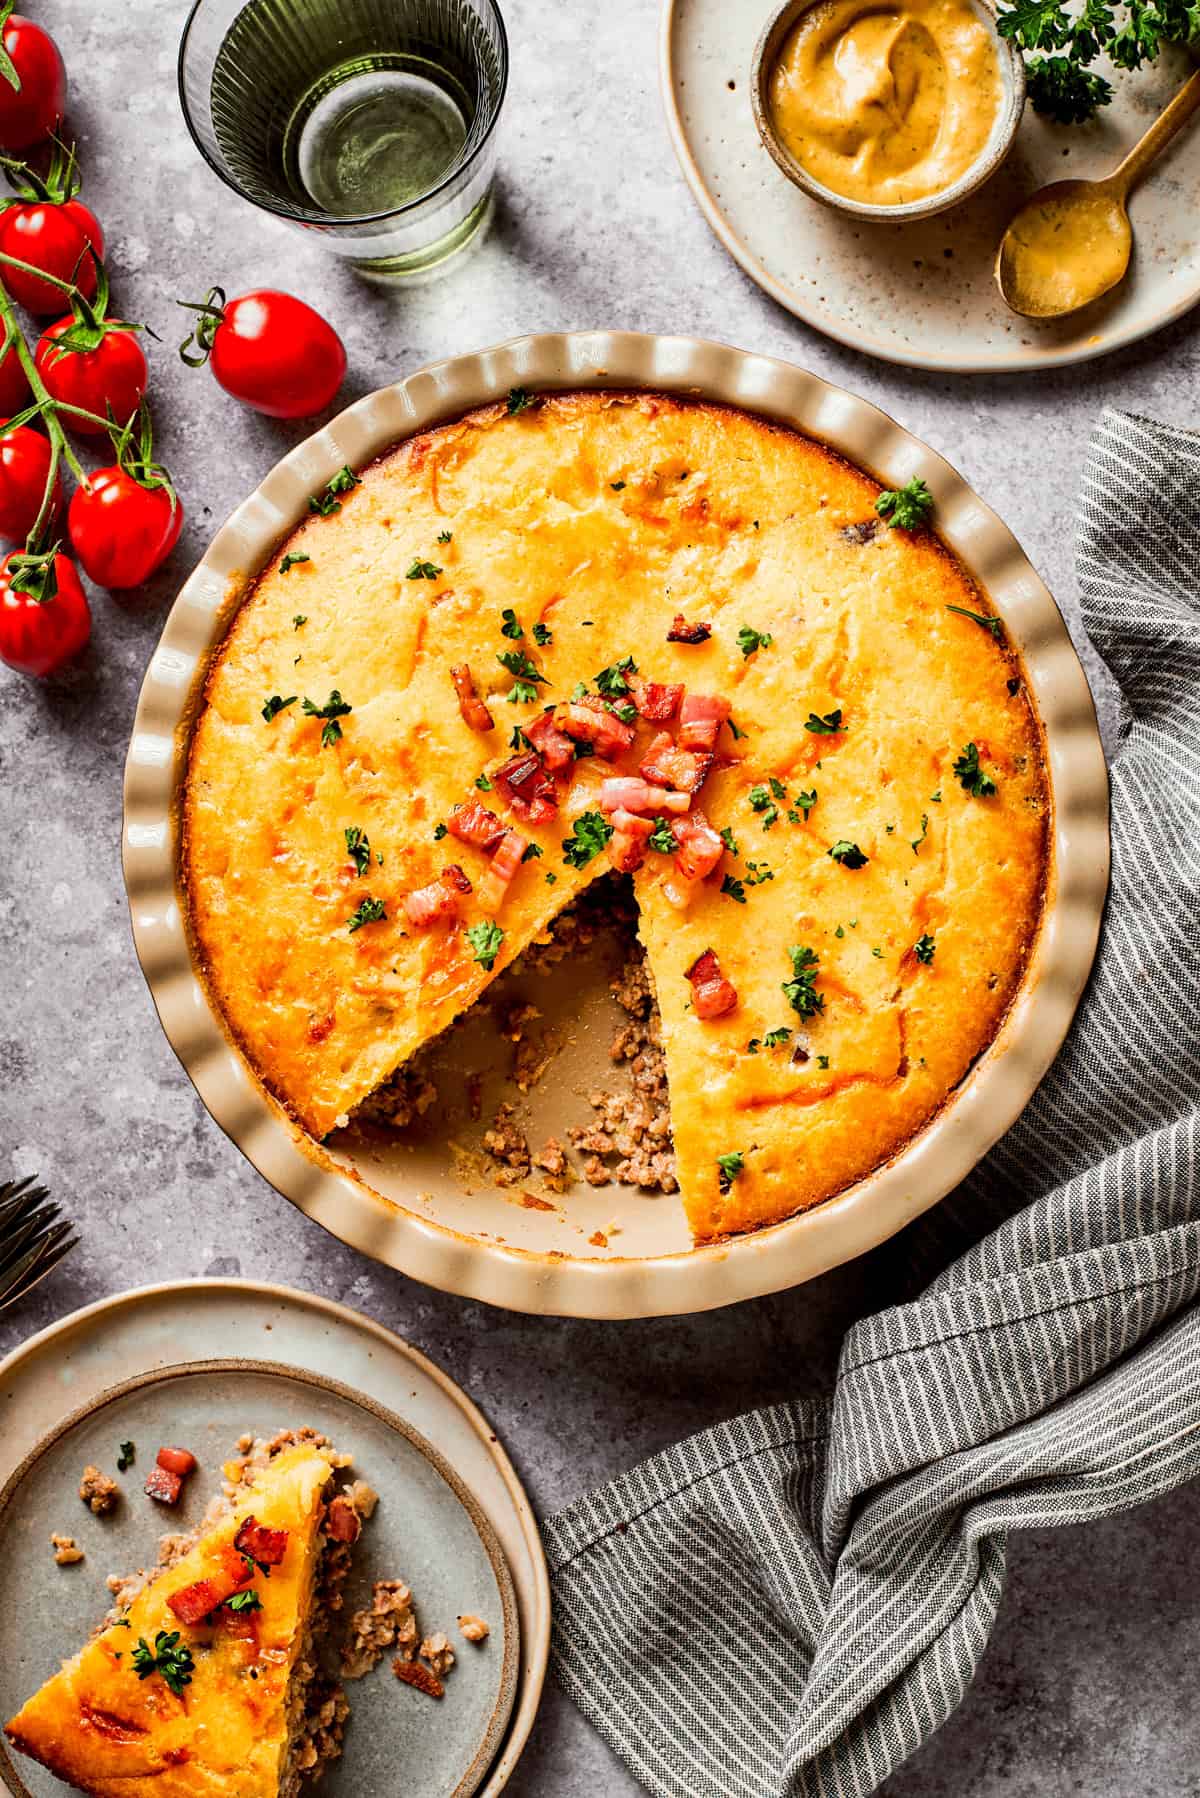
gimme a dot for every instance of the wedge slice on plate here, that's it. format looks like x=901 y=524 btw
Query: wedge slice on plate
x=204 y=1683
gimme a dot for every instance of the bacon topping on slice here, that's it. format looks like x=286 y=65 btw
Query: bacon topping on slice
x=342 y=1522
x=474 y=713
x=262 y=1544
x=498 y=875
x=700 y=718
x=683 y=632
x=191 y=1604
x=712 y=994
x=163 y=1485
x=628 y=793
x=592 y=724
x=655 y=701
x=524 y=784
x=553 y=745
x=426 y=905
x=474 y=823
x=671 y=766
x=627 y=845
x=700 y=846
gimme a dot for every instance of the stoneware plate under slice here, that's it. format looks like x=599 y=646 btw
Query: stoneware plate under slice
x=923 y=294
x=607 y=1252
x=430 y=1528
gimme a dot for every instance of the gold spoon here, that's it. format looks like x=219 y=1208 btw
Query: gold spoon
x=1071 y=242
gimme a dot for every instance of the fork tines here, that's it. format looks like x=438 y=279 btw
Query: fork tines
x=34 y=1237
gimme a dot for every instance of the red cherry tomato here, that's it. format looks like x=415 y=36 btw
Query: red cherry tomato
x=24 y=471
x=14 y=386
x=58 y=238
x=35 y=109
x=271 y=351
x=38 y=636
x=120 y=530
x=112 y=375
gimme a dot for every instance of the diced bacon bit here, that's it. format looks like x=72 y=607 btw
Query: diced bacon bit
x=592 y=724
x=474 y=823
x=655 y=701
x=553 y=745
x=191 y=1604
x=712 y=994
x=629 y=794
x=342 y=1523
x=163 y=1485
x=671 y=766
x=264 y=1545
x=426 y=905
x=627 y=845
x=700 y=719
x=415 y=1673
x=474 y=713
x=498 y=875
x=176 y=1460
x=700 y=846
x=683 y=632
x=524 y=784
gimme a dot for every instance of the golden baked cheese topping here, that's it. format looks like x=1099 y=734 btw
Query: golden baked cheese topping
x=799 y=728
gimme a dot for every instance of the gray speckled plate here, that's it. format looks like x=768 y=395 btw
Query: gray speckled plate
x=923 y=294
x=427 y=1530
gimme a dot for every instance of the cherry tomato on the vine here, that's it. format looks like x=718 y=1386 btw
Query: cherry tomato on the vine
x=58 y=238
x=37 y=635
x=32 y=105
x=120 y=530
x=112 y=375
x=269 y=350
x=14 y=384
x=24 y=471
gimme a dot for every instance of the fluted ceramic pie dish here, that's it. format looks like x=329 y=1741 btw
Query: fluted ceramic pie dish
x=606 y=1251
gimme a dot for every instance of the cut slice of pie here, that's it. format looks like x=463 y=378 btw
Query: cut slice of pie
x=201 y=1685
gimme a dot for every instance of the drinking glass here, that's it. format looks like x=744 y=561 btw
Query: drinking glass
x=370 y=121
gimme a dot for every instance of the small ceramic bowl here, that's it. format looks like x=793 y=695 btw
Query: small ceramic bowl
x=999 y=143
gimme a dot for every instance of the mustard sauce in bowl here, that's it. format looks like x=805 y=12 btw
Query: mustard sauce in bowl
x=887 y=104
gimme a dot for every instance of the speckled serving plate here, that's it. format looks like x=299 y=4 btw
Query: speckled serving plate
x=432 y=1527
x=610 y=1252
x=923 y=294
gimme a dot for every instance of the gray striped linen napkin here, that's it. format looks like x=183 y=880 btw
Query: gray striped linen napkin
x=792 y=1602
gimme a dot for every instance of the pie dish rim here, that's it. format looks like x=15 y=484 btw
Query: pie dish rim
x=778 y=1256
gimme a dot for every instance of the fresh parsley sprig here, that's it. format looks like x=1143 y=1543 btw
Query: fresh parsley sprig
x=168 y=1657
x=800 y=991
x=591 y=834
x=335 y=708
x=1062 y=83
x=907 y=507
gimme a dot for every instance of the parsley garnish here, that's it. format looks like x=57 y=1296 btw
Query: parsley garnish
x=439 y=831
x=827 y=726
x=511 y=626
x=358 y=847
x=445 y=536
x=822 y=1061
x=988 y=624
x=167 y=1657
x=727 y=838
x=754 y=1045
x=290 y=560
x=299 y=618
x=617 y=486
x=917 y=841
x=335 y=707
x=759 y=797
x=923 y=948
x=542 y=634
x=806 y=801
x=778 y=790
x=759 y=871
x=519 y=400
x=371 y=911
x=907 y=508
x=662 y=837
x=1063 y=86
x=590 y=835
x=848 y=854
x=734 y=732
x=611 y=681
x=524 y=688
x=748 y=640
x=733 y=889
x=775 y=1039
x=275 y=705
x=326 y=503
x=730 y=1166
x=126 y=1457
x=533 y=852
x=518 y=740
x=977 y=783
x=483 y=783
x=551 y=877
x=485 y=938
x=423 y=571
x=244 y=1601
x=800 y=991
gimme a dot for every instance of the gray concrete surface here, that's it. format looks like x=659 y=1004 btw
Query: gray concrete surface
x=1088 y=1684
